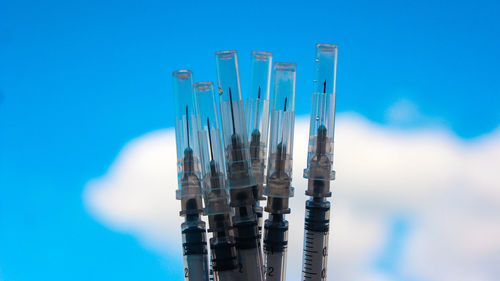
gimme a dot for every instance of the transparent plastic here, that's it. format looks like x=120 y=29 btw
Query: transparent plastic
x=276 y=252
x=188 y=171
x=239 y=173
x=257 y=114
x=279 y=175
x=222 y=245
x=188 y=164
x=211 y=154
x=319 y=165
x=233 y=121
x=321 y=134
x=251 y=267
x=325 y=68
x=316 y=233
x=195 y=251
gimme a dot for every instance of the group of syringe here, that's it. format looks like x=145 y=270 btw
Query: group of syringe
x=225 y=179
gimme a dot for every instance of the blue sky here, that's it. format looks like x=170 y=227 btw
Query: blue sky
x=79 y=79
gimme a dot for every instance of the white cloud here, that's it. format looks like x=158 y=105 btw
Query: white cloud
x=449 y=188
x=137 y=194
x=403 y=112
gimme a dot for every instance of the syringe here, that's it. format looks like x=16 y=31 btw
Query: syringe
x=215 y=193
x=188 y=177
x=279 y=176
x=239 y=173
x=319 y=164
x=257 y=117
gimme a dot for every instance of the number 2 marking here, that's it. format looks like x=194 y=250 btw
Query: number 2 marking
x=270 y=271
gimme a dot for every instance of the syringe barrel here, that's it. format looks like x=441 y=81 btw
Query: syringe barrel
x=279 y=175
x=250 y=267
x=275 y=266
x=195 y=268
x=226 y=275
x=275 y=247
x=322 y=125
x=247 y=237
x=223 y=253
x=257 y=114
x=188 y=164
x=316 y=232
x=194 y=245
x=233 y=122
